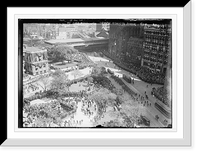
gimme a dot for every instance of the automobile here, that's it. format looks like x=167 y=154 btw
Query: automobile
x=127 y=78
x=145 y=120
x=156 y=117
x=169 y=126
x=109 y=71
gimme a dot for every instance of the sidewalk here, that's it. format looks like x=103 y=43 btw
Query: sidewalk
x=140 y=87
x=144 y=110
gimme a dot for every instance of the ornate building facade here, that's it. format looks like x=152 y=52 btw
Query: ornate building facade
x=36 y=61
x=156 y=45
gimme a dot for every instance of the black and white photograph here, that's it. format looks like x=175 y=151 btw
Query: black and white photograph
x=89 y=73
x=99 y=77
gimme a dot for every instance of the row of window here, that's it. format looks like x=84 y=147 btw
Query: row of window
x=157 y=26
x=155 y=48
x=41 y=72
x=155 y=42
x=153 y=53
x=157 y=37
x=155 y=60
x=157 y=33
x=40 y=66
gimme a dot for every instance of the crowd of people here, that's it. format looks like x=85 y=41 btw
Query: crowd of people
x=143 y=73
x=71 y=122
x=31 y=88
x=52 y=114
x=124 y=86
x=88 y=107
x=41 y=115
x=148 y=76
x=103 y=82
x=161 y=94
x=140 y=99
x=46 y=114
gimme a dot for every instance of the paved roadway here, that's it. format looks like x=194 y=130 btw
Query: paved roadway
x=144 y=110
x=139 y=86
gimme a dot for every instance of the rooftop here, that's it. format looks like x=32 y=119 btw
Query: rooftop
x=95 y=39
x=34 y=49
x=78 y=44
x=74 y=40
x=61 y=66
x=64 y=29
x=57 y=41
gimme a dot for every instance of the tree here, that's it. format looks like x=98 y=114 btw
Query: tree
x=46 y=83
x=90 y=79
x=96 y=70
x=100 y=99
x=103 y=98
x=118 y=91
x=60 y=83
x=112 y=99
x=63 y=52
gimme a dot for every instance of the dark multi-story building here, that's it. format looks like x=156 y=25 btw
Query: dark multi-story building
x=156 y=46
x=126 y=43
x=142 y=47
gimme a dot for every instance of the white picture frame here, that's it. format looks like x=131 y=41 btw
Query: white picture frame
x=180 y=135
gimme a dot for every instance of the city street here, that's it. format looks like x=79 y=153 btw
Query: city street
x=140 y=87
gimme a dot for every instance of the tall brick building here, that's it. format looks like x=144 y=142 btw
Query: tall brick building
x=156 y=45
x=125 y=43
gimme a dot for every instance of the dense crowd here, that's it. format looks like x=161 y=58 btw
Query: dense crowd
x=31 y=88
x=89 y=107
x=148 y=76
x=143 y=73
x=103 y=82
x=48 y=114
x=161 y=94
x=41 y=115
x=52 y=114
x=124 y=86
x=143 y=100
